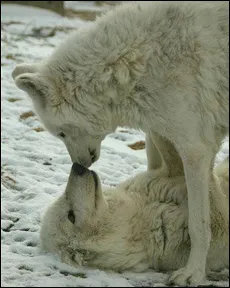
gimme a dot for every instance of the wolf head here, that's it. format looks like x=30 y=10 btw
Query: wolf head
x=74 y=216
x=86 y=226
x=67 y=112
x=81 y=92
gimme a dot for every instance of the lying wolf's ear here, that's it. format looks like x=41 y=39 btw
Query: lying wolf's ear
x=32 y=83
x=24 y=68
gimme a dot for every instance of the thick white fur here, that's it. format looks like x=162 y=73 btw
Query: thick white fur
x=162 y=67
x=140 y=224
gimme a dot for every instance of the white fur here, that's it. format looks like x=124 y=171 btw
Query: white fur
x=141 y=224
x=162 y=67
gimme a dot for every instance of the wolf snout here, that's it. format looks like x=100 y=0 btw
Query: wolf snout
x=79 y=169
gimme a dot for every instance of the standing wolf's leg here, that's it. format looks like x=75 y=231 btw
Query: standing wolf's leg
x=197 y=159
x=161 y=151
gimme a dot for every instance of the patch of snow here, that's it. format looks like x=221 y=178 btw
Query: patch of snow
x=34 y=15
x=84 y=6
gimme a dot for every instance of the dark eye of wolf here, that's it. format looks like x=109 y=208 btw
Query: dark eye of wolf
x=71 y=216
x=61 y=134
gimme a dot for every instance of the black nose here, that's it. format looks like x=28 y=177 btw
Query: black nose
x=79 y=169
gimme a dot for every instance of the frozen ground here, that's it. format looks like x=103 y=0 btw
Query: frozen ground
x=35 y=165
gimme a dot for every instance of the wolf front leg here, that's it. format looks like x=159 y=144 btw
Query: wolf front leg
x=197 y=160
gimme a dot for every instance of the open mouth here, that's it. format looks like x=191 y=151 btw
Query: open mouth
x=80 y=170
x=95 y=179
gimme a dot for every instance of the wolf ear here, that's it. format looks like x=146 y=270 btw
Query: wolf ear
x=25 y=68
x=32 y=83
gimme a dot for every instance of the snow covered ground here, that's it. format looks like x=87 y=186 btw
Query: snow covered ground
x=35 y=165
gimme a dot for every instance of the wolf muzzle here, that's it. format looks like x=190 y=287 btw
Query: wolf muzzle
x=79 y=169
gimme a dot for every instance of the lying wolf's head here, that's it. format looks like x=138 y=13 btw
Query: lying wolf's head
x=66 y=110
x=74 y=217
x=85 y=226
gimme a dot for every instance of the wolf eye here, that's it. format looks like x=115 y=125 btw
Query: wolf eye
x=71 y=216
x=61 y=134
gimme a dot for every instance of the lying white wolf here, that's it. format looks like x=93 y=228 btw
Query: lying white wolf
x=141 y=224
x=162 y=67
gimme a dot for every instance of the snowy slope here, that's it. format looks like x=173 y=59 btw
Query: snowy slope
x=35 y=165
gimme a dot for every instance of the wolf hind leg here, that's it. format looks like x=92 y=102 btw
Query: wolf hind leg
x=161 y=152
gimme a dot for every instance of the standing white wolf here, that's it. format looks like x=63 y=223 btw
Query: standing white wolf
x=140 y=224
x=162 y=67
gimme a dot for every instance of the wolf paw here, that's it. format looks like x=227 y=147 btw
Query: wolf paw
x=187 y=276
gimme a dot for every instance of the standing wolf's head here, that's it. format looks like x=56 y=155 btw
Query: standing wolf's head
x=66 y=110
x=82 y=91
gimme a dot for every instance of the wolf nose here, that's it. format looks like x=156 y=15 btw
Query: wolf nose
x=79 y=169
